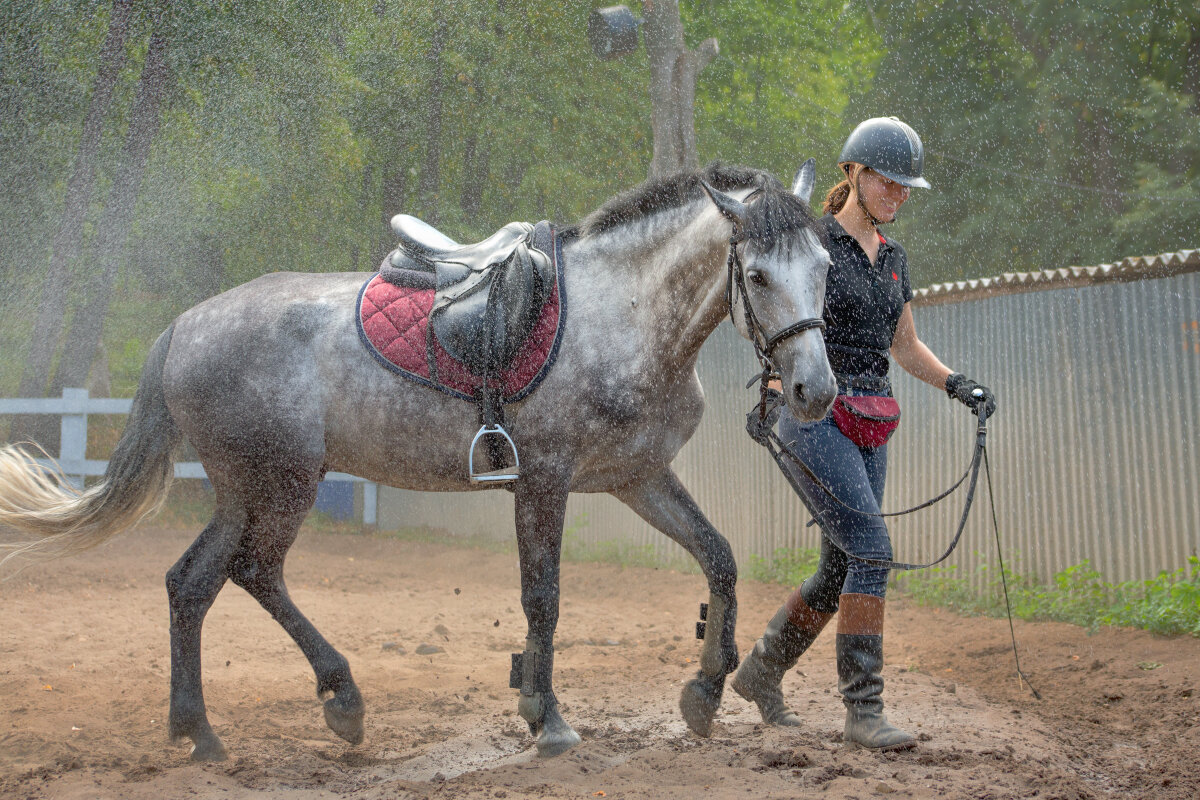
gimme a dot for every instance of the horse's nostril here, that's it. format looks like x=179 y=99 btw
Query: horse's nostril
x=799 y=389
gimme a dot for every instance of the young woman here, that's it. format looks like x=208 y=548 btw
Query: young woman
x=868 y=317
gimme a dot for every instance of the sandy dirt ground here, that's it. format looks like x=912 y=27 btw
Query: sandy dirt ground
x=84 y=675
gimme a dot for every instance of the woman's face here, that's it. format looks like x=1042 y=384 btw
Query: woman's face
x=882 y=196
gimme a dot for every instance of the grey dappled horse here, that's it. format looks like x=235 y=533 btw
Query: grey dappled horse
x=272 y=387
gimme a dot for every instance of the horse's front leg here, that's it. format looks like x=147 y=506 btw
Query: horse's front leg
x=540 y=508
x=662 y=501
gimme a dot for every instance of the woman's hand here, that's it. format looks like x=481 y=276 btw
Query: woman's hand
x=971 y=394
x=764 y=415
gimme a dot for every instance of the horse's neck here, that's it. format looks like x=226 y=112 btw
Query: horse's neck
x=669 y=271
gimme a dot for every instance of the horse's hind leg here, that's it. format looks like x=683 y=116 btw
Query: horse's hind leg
x=257 y=567
x=540 y=509
x=192 y=586
x=662 y=501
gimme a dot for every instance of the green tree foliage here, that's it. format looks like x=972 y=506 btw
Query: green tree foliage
x=49 y=54
x=293 y=130
x=1057 y=132
x=778 y=92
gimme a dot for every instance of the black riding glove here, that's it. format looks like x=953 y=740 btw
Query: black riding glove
x=760 y=426
x=971 y=394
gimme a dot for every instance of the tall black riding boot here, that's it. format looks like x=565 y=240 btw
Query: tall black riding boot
x=760 y=676
x=860 y=678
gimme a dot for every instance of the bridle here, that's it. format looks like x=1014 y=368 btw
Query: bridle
x=764 y=344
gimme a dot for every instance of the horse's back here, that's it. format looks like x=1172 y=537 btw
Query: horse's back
x=245 y=369
x=276 y=365
x=274 y=298
x=260 y=331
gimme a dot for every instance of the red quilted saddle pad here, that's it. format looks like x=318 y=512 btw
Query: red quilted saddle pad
x=392 y=322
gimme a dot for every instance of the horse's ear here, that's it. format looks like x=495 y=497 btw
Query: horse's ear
x=732 y=209
x=802 y=184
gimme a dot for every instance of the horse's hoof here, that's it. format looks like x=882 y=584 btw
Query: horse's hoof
x=555 y=742
x=346 y=723
x=699 y=702
x=208 y=748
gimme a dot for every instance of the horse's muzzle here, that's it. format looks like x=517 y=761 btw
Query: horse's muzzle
x=809 y=389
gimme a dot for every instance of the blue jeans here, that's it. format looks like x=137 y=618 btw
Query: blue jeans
x=856 y=476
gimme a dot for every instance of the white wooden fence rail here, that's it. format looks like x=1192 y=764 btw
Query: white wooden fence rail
x=74 y=407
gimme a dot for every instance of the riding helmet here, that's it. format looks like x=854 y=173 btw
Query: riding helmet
x=888 y=146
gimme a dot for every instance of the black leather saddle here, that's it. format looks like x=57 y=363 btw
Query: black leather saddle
x=487 y=296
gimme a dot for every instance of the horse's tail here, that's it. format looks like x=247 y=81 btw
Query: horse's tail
x=39 y=501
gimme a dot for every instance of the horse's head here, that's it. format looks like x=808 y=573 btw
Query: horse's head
x=777 y=268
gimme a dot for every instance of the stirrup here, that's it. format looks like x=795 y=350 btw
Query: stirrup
x=501 y=475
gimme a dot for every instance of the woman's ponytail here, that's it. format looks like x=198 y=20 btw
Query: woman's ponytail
x=836 y=199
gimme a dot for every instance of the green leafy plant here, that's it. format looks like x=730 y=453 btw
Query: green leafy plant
x=787 y=565
x=1166 y=604
x=622 y=553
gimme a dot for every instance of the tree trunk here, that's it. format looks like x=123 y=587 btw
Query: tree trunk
x=1105 y=170
x=365 y=194
x=476 y=157
x=87 y=324
x=210 y=265
x=394 y=190
x=1191 y=67
x=514 y=171
x=673 y=73
x=48 y=324
x=431 y=173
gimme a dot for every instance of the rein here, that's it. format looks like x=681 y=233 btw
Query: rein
x=778 y=449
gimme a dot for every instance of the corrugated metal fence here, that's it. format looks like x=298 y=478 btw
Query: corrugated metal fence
x=1094 y=452
x=1096 y=449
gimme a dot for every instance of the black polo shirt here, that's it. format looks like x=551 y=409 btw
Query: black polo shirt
x=862 y=302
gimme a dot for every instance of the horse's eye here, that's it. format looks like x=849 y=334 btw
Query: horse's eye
x=756 y=277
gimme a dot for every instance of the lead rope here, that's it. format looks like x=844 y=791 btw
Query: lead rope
x=979 y=458
x=1004 y=581
x=775 y=446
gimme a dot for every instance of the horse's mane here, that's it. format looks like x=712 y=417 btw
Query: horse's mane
x=776 y=213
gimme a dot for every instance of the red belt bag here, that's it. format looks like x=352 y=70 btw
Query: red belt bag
x=866 y=420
